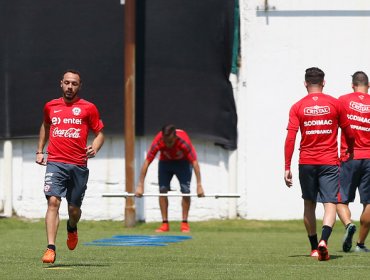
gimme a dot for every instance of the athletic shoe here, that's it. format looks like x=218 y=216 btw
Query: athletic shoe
x=347 y=239
x=72 y=240
x=314 y=253
x=49 y=256
x=163 y=228
x=323 y=251
x=185 y=227
x=362 y=249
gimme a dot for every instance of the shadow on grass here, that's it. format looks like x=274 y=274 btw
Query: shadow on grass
x=70 y=266
x=332 y=257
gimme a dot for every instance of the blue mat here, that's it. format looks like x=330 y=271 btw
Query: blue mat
x=138 y=240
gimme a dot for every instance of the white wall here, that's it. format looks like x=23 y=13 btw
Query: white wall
x=276 y=49
x=107 y=173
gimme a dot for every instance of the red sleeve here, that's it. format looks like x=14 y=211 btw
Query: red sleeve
x=350 y=138
x=154 y=147
x=289 y=147
x=47 y=114
x=95 y=122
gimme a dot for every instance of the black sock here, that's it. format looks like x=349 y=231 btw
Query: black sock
x=313 y=241
x=52 y=247
x=71 y=229
x=361 y=245
x=326 y=231
x=185 y=221
x=347 y=225
x=165 y=222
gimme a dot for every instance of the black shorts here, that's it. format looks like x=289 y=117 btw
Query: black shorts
x=354 y=174
x=319 y=183
x=181 y=168
x=66 y=180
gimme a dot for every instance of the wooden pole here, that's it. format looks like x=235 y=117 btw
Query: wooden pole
x=129 y=79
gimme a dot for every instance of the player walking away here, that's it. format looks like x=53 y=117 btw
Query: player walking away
x=356 y=173
x=318 y=117
x=66 y=125
x=177 y=157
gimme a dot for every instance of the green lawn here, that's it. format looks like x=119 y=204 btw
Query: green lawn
x=230 y=249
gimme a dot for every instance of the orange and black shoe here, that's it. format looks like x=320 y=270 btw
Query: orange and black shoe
x=49 y=256
x=323 y=251
x=184 y=227
x=163 y=228
x=72 y=240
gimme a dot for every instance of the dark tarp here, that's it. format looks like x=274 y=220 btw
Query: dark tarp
x=184 y=51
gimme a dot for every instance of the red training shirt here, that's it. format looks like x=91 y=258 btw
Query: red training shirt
x=181 y=150
x=318 y=117
x=357 y=106
x=70 y=124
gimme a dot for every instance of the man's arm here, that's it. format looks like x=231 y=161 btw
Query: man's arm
x=200 y=190
x=96 y=144
x=288 y=153
x=350 y=140
x=43 y=138
x=140 y=186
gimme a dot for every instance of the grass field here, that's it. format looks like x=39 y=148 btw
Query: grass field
x=231 y=249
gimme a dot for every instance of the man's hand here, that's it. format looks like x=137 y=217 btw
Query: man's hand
x=200 y=190
x=90 y=152
x=288 y=178
x=350 y=155
x=139 y=190
x=40 y=159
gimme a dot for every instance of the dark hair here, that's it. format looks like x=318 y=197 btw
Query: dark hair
x=74 y=72
x=314 y=76
x=168 y=129
x=359 y=78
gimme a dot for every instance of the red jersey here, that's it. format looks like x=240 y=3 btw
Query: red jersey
x=318 y=117
x=70 y=124
x=181 y=150
x=357 y=106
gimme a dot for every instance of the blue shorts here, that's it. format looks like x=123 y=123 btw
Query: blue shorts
x=66 y=180
x=319 y=183
x=354 y=174
x=181 y=168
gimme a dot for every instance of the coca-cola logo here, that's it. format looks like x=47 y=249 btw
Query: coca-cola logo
x=67 y=133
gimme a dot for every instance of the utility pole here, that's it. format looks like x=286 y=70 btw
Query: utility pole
x=129 y=122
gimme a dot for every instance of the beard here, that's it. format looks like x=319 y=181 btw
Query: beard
x=68 y=95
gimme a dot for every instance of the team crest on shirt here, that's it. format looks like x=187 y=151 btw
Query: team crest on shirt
x=359 y=107
x=316 y=110
x=76 y=111
x=315 y=98
x=47 y=188
x=361 y=97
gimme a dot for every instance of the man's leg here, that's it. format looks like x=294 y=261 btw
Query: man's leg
x=185 y=208
x=52 y=219
x=184 y=173
x=330 y=214
x=364 y=226
x=344 y=213
x=163 y=204
x=309 y=217
x=74 y=213
x=51 y=224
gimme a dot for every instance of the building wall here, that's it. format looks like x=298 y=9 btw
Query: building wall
x=276 y=47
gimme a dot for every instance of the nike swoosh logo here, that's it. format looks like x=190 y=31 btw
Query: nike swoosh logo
x=57 y=111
